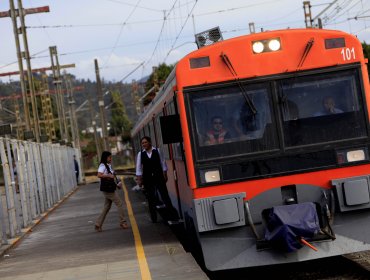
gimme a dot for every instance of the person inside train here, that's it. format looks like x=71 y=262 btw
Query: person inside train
x=216 y=134
x=328 y=107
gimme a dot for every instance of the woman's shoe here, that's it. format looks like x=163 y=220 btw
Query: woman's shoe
x=98 y=228
x=124 y=225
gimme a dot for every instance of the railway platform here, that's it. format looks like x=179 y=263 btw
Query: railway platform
x=64 y=244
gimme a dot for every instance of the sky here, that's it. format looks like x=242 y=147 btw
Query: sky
x=129 y=37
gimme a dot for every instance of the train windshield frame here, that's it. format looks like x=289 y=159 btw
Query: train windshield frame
x=276 y=114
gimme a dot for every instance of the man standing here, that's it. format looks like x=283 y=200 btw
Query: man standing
x=151 y=171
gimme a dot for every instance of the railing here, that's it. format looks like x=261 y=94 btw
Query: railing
x=35 y=177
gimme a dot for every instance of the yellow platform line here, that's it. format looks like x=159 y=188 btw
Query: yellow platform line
x=144 y=268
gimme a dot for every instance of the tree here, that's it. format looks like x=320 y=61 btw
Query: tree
x=120 y=123
x=158 y=79
x=366 y=49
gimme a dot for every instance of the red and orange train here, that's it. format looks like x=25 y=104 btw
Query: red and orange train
x=294 y=165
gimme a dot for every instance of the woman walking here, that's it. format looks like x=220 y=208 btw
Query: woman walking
x=108 y=187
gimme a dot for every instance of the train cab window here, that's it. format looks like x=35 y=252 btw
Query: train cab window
x=315 y=107
x=230 y=120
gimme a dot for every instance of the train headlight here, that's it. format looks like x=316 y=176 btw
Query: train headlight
x=210 y=176
x=356 y=155
x=274 y=45
x=258 y=47
x=347 y=156
x=268 y=45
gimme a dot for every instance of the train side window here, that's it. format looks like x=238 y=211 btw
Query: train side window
x=152 y=134
x=173 y=123
x=163 y=148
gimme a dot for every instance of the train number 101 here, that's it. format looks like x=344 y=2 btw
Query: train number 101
x=348 y=53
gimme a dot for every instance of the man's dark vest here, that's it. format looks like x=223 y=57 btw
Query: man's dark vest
x=152 y=169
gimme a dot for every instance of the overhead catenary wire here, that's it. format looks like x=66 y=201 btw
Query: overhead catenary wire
x=120 y=32
x=337 y=19
x=182 y=27
x=161 y=31
x=31 y=56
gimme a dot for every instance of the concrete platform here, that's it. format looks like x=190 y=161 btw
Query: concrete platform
x=64 y=245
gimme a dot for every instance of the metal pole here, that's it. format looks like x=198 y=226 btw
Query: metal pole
x=29 y=70
x=20 y=65
x=93 y=123
x=101 y=108
x=59 y=94
x=71 y=103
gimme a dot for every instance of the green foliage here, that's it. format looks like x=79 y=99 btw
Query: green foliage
x=90 y=148
x=163 y=70
x=120 y=123
x=366 y=49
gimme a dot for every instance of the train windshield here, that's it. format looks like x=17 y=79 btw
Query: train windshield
x=233 y=120
x=241 y=119
x=322 y=108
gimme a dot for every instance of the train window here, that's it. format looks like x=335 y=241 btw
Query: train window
x=163 y=148
x=176 y=147
x=314 y=107
x=232 y=120
x=152 y=134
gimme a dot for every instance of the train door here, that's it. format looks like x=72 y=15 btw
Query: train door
x=175 y=144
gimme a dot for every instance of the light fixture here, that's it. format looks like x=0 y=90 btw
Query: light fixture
x=212 y=176
x=274 y=45
x=209 y=175
x=258 y=47
x=268 y=45
x=356 y=155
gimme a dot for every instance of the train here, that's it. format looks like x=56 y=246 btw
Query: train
x=266 y=139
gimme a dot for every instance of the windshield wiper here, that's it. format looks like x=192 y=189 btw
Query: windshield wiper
x=249 y=102
x=305 y=53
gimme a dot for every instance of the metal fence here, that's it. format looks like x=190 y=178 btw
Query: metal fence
x=35 y=177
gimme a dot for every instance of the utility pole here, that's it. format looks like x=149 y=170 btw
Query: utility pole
x=47 y=108
x=307 y=14
x=29 y=70
x=93 y=123
x=59 y=95
x=21 y=13
x=101 y=107
x=20 y=65
x=310 y=22
x=72 y=113
x=45 y=101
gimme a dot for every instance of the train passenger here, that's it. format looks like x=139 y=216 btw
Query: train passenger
x=328 y=107
x=217 y=134
x=151 y=171
x=108 y=187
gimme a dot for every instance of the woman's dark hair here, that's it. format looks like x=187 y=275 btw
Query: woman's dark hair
x=104 y=157
x=147 y=138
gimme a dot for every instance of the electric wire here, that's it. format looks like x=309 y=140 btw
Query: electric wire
x=161 y=31
x=178 y=35
x=31 y=56
x=120 y=32
x=46 y=32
